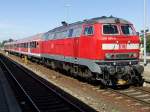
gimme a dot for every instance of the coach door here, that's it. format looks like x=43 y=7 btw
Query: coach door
x=29 y=49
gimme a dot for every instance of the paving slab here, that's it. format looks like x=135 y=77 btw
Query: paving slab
x=8 y=101
x=146 y=73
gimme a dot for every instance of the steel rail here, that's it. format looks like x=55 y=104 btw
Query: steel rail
x=130 y=96
x=30 y=99
x=47 y=86
x=38 y=79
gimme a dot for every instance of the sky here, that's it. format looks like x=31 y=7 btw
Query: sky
x=23 y=18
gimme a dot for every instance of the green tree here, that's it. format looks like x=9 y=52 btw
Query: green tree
x=5 y=41
x=147 y=42
x=0 y=44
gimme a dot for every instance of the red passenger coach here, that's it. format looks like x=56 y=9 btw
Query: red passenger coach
x=104 y=49
x=30 y=46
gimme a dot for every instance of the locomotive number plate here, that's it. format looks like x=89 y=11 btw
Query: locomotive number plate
x=122 y=46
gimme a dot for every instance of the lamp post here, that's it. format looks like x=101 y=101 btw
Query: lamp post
x=67 y=6
x=145 y=33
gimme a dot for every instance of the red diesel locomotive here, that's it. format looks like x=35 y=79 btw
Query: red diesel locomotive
x=105 y=49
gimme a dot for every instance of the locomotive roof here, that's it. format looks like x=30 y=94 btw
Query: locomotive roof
x=103 y=19
x=110 y=19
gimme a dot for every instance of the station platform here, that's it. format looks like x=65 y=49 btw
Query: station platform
x=8 y=101
x=146 y=73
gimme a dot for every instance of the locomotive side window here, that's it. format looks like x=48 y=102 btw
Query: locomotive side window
x=49 y=35
x=61 y=34
x=127 y=30
x=110 y=29
x=70 y=32
x=57 y=35
x=46 y=36
x=76 y=32
x=88 y=30
x=64 y=34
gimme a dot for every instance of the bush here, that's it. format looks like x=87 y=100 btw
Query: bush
x=147 y=43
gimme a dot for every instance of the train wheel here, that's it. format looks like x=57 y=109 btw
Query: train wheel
x=103 y=86
x=139 y=82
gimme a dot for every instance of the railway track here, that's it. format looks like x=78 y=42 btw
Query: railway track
x=35 y=94
x=137 y=94
x=8 y=102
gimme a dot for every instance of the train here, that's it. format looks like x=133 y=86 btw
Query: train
x=103 y=49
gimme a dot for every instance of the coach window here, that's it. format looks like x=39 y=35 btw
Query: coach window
x=37 y=43
x=88 y=30
x=32 y=44
x=23 y=45
x=26 y=45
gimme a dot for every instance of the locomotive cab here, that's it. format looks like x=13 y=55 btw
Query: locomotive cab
x=119 y=53
x=119 y=41
x=105 y=49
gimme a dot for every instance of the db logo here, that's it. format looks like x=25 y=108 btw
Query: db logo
x=122 y=46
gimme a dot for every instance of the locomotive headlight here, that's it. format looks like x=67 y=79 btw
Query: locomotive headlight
x=133 y=55
x=109 y=56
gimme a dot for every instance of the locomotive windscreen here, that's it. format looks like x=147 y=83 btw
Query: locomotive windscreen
x=127 y=30
x=110 y=29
